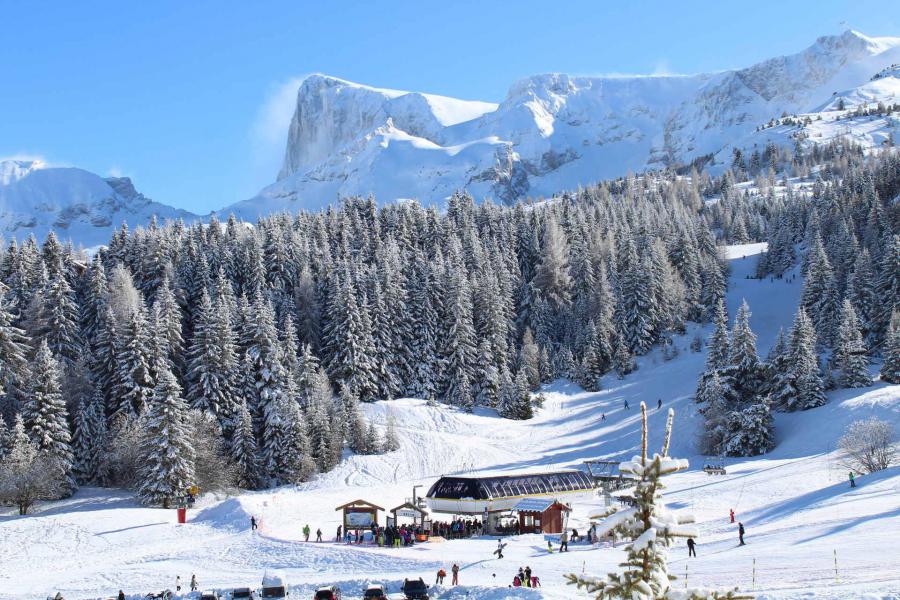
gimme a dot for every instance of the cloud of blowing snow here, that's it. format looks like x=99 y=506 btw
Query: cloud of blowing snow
x=268 y=133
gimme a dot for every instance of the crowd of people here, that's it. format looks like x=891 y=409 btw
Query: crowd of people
x=457 y=528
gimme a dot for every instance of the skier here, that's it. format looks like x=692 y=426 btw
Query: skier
x=535 y=582
x=338 y=538
x=319 y=534
x=731 y=512
x=659 y=404
x=602 y=417
x=521 y=576
x=121 y=595
x=455 y=571
x=741 y=533
x=194 y=584
x=852 y=480
x=691 y=550
x=549 y=546
x=527 y=576
x=499 y=550
x=253 y=523
x=178 y=583
x=306 y=532
x=625 y=404
x=564 y=542
x=440 y=576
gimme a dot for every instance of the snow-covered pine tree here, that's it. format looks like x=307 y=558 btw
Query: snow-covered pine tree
x=623 y=359
x=13 y=360
x=743 y=371
x=751 y=430
x=356 y=426
x=460 y=349
x=391 y=441
x=488 y=377
x=59 y=321
x=134 y=381
x=213 y=364
x=529 y=360
x=348 y=345
x=804 y=375
x=244 y=449
x=83 y=445
x=850 y=352
x=652 y=528
x=167 y=454
x=170 y=326
x=45 y=414
x=890 y=369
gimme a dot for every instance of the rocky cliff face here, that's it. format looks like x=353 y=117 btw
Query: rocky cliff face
x=551 y=132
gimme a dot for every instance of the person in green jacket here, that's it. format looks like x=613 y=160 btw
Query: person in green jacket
x=852 y=480
x=306 y=533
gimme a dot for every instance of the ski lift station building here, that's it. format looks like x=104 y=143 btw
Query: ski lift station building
x=491 y=494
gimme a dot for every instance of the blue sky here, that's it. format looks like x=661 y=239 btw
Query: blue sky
x=192 y=99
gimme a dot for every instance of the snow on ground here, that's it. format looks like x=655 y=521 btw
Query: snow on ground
x=794 y=502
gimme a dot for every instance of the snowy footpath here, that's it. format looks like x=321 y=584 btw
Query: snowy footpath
x=808 y=534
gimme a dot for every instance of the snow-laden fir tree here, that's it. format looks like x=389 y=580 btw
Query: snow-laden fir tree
x=460 y=350
x=13 y=360
x=751 y=430
x=167 y=454
x=133 y=381
x=59 y=321
x=801 y=387
x=244 y=449
x=391 y=441
x=652 y=528
x=850 y=351
x=348 y=343
x=890 y=370
x=742 y=372
x=45 y=414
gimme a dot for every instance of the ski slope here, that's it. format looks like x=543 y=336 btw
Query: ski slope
x=794 y=502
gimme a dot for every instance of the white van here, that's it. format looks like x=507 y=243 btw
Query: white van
x=274 y=585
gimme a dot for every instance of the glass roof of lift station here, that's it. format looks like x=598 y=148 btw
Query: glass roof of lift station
x=510 y=486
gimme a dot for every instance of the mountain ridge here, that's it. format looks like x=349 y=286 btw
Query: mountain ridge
x=552 y=131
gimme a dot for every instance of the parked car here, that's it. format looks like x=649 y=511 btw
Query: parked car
x=331 y=592
x=274 y=585
x=241 y=594
x=415 y=589
x=374 y=592
x=208 y=595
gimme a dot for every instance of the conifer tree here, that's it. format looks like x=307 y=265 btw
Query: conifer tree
x=13 y=360
x=167 y=456
x=652 y=529
x=890 y=370
x=133 y=381
x=59 y=321
x=850 y=351
x=802 y=388
x=391 y=441
x=244 y=449
x=45 y=414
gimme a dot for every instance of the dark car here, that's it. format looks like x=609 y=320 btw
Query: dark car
x=374 y=592
x=332 y=592
x=241 y=594
x=415 y=589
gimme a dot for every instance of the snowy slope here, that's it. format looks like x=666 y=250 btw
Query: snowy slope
x=79 y=205
x=794 y=501
x=551 y=132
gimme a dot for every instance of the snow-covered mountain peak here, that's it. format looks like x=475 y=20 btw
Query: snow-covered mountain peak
x=14 y=169
x=79 y=205
x=552 y=131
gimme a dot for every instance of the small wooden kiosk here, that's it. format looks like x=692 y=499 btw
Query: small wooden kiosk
x=359 y=514
x=541 y=515
x=410 y=511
